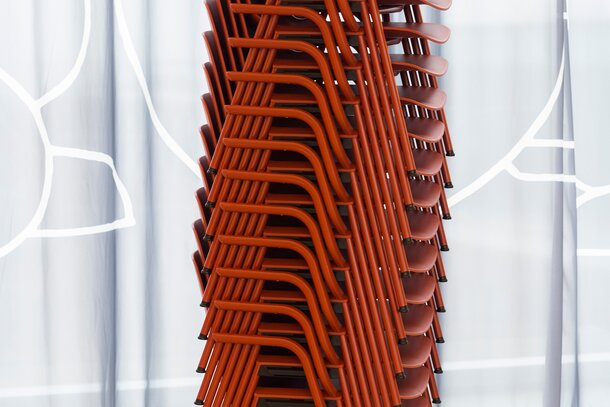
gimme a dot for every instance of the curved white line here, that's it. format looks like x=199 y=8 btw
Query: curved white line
x=169 y=141
x=128 y=218
x=62 y=86
x=503 y=163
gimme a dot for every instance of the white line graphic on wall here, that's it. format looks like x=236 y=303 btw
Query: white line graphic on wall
x=51 y=152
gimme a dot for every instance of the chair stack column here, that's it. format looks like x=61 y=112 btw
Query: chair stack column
x=321 y=215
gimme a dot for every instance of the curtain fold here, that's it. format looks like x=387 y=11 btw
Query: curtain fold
x=562 y=366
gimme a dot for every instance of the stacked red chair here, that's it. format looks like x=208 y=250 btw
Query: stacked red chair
x=320 y=233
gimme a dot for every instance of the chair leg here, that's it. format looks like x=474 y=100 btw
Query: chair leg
x=436 y=398
x=442 y=238
x=440 y=269
x=444 y=168
x=438 y=332
x=438 y=297
x=436 y=361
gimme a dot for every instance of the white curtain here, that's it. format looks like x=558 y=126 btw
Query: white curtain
x=99 y=119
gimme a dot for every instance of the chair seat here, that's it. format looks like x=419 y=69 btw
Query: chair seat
x=434 y=32
x=427 y=162
x=421 y=257
x=424 y=96
x=416 y=352
x=419 y=288
x=430 y=64
x=425 y=193
x=418 y=319
x=422 y=401
x=425 y=129
x=423 y=225
x=416 y=383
